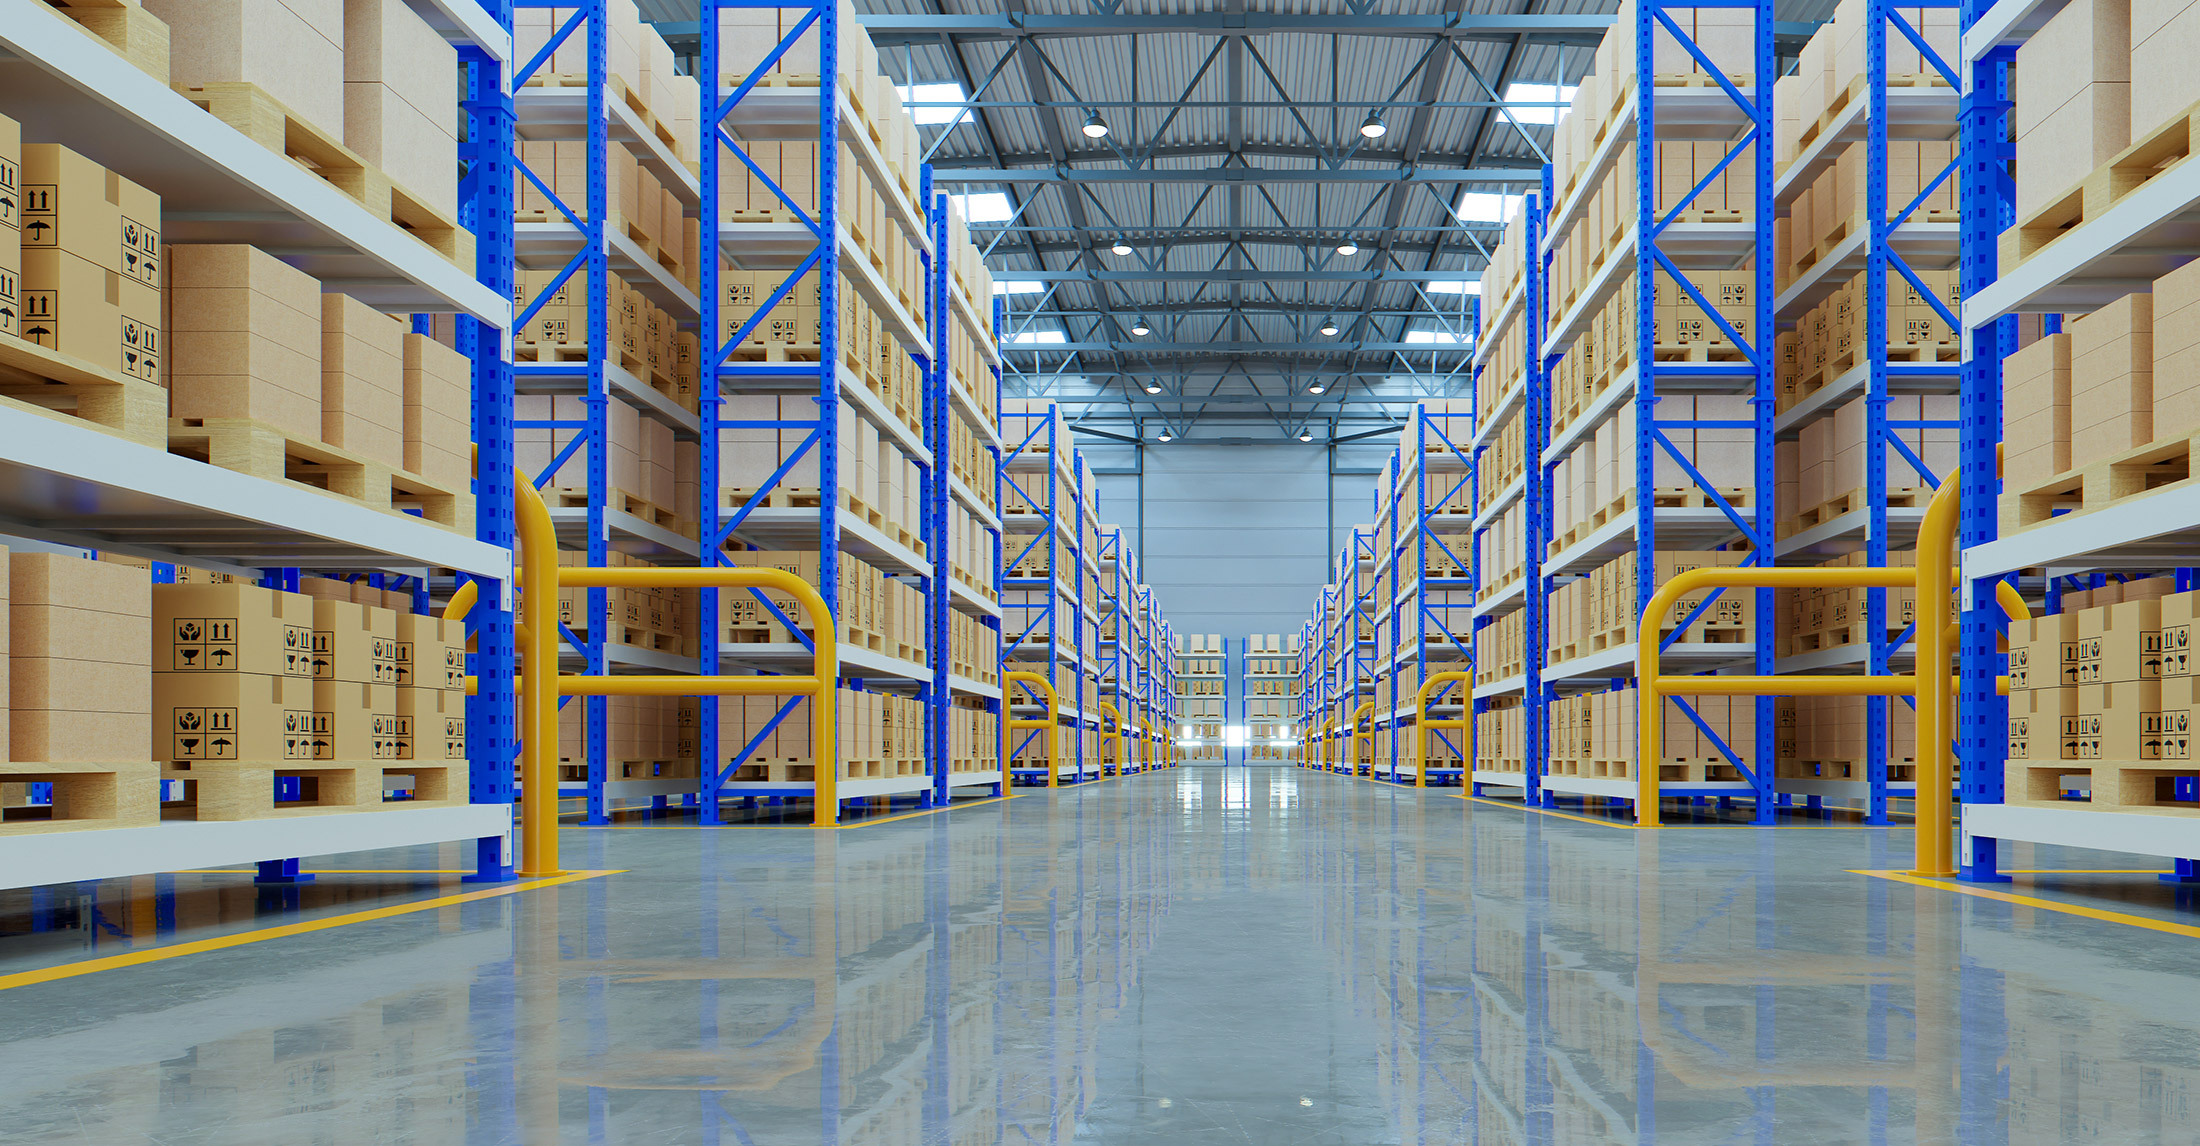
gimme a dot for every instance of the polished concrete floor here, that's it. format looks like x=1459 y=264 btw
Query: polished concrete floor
x=1196 y=956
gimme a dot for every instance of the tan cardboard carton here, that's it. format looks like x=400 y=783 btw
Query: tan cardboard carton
x=291 y=49
x=90 y=312
x=75 y=205
x=354 y=642
x=218 y=630
x=212 y=717
x=362 y=379
x=356 y=721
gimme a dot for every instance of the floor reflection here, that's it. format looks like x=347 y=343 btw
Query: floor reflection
x=1263 y=956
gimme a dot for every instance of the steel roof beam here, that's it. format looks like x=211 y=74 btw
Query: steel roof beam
x=1390 y=274
x=897 y=28
x=1254 y=346
x=1062 y=173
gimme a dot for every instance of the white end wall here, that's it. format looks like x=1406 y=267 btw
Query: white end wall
x=1236 y=538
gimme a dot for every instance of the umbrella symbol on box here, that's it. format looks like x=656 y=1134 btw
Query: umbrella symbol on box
x=219 y=744
x=38 y=332
x=220 y=657
x=35 y=231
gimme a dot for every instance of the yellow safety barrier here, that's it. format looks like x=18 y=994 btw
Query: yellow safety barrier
x=537 y=715
x=1108 y=711
x=1362 y=728
x=1039 y=687
x=1422 y=724
x=1937 y=633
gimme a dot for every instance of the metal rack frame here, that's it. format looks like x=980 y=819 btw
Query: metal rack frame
x=1886 y=245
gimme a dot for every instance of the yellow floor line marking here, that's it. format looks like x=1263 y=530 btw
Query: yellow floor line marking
x=304 y=927
x=1785 y=827
x=2034 y=901
x=858 y=824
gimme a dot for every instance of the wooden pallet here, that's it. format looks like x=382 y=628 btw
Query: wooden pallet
x=781 y=770
x=265 y=451
x=778 y=497
x=1695 y=497
x=615 y=90
x=2138 y=787
x=1851 y=501
x=2165 y=463
x=52 y=384
x=1835 y=365
x=619 y=500
x=1697 y=771
x=2163 y=150
x=1711 y=351
x=247 y=790
x=86 y=797
x=1821 y=770
x=266 y=121
x=133 y=33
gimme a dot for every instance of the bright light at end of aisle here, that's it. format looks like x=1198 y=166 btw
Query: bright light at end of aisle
x=1018 y=286
x=1453 y=286
x=1539 y=93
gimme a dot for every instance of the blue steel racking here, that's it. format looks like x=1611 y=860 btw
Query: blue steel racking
x=2093 y=264
x=1062 y=534
x=1422 y=475
x=1511 y=398
x=582 y=247
x=1654 y=244
x=1886 y=244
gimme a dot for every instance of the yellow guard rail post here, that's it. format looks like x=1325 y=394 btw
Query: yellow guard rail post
x=1363 y=728
x=1039 y=687
x=1115 y=719
x=1422 y=724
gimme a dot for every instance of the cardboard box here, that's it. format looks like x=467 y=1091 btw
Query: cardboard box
x=90 y=312
x=244 y=338
x=2122 y=642
x=2070 y=142
x=11 y=227
x=2177 y=634
x=73 y=204
x=438 y=404
x=2087 y=42
x=2165 y=37
x=355 y=643
x=2036 y=392
x=214 y=717
x=362 y=380
x=2043 y=724
x=431 y=652
x=2114 y=719
x=2112 y=379
x=357 y=721
x=436 y=723
x=224 y=630
x=291 y=49
x=2050 y=647
x=390 y=132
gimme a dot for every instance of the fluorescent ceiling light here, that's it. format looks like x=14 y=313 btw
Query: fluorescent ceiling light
x=986 y=207
x=1539 y=93
x=1487 y=207
x=1037 y=338
x=935 y=93
x=1453 y=286
x=1029 y=286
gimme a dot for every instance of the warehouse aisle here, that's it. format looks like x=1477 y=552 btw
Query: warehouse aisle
x=1257 y=956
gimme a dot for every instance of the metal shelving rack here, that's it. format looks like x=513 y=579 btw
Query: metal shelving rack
x=1431 y=453
x=1060 y=531
x=1908 y=113
x=950 y=400
x=2138 y=238
x=582 y=248
x=1742 y=117
x=1518 y=397
x=824 y=244
x=79 y=486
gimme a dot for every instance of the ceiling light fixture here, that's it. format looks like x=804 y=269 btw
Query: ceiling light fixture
x=1306 y=435
x=1153 y=387
x=1165 y=435
x=1348 y=248
x=1329 y=328
x=1372 y=127
x=1122 y=246
x=1095 y=127
x=1316 y=388
x=1139 y=327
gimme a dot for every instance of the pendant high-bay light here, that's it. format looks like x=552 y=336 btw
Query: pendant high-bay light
x=1165 y=435
x=1329 y=328
x=1139 y=327
x=1316 y=388
x=1348 y=247
x=1306 y=435
x=1122 y=245
x=1095 y=127
x=1372 y=127
x=1153 y=386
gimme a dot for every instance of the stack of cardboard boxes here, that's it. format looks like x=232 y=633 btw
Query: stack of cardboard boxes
x=91 y=263
x=245 y=339
x=2101 y=700
x=79 y=695
x=2091 y=399
x=642 y=738
x=362 y=380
